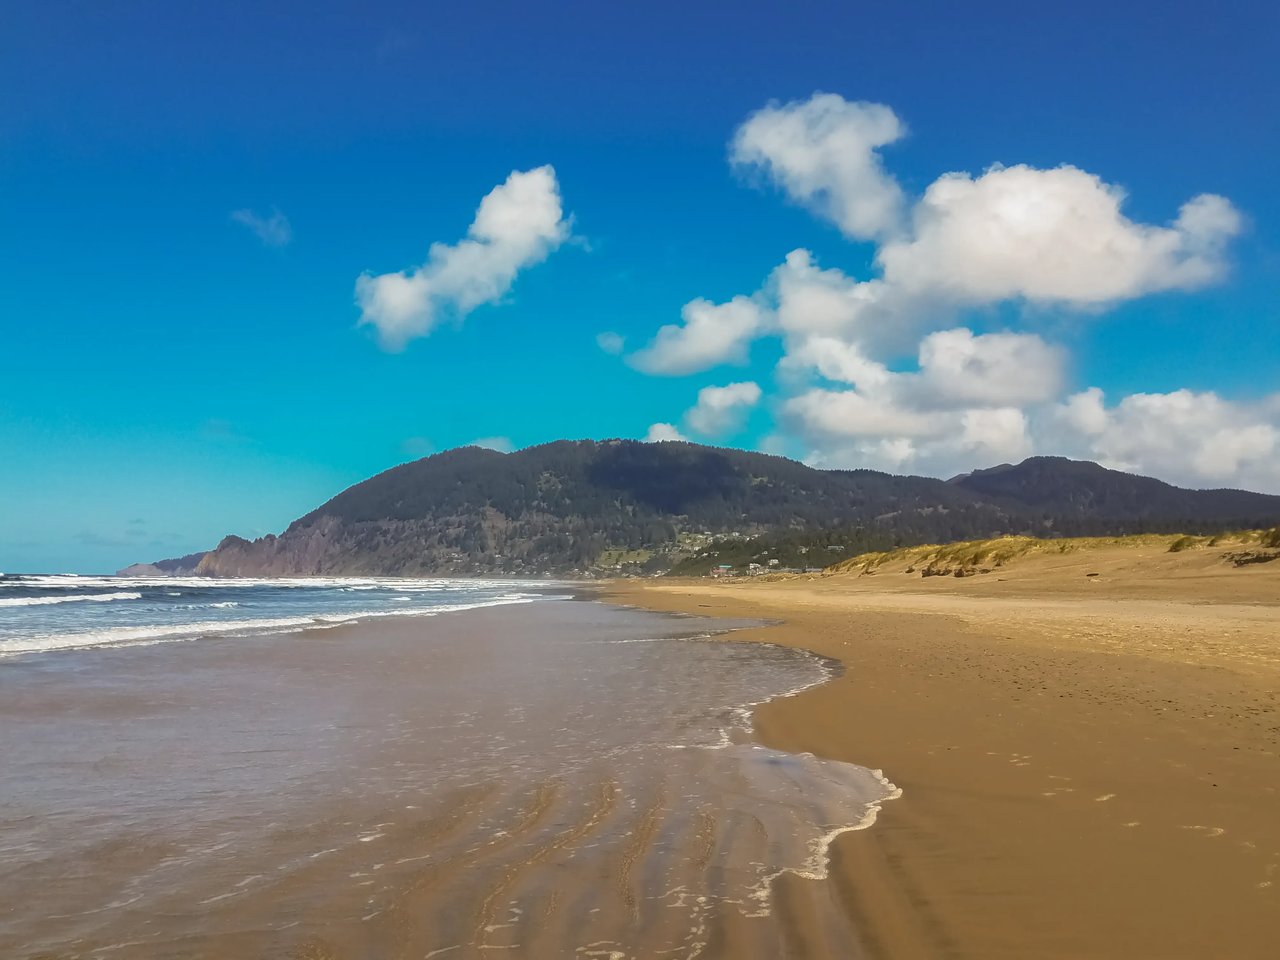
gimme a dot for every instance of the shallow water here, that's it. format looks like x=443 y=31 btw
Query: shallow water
x=43 y=613
x=551 y=779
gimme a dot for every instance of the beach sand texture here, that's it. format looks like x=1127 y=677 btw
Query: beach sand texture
x=1088 y=746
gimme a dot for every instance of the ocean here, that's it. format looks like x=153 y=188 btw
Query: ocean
x=62 y=612
x=392 y=769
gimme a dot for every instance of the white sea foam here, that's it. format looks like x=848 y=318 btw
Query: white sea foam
x=42 y=601
x=146 y=634
x=391 y=583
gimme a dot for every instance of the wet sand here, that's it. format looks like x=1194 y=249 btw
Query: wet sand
x=556 y=779
x=1090 y=766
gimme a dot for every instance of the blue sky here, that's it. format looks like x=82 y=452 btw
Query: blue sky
x=169 y=376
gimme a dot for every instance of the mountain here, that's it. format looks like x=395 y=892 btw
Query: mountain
x=176 y=567
x=1086 y=491
x=583 y=506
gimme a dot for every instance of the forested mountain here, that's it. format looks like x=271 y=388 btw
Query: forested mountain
x=1080 y=489
x=583 y=506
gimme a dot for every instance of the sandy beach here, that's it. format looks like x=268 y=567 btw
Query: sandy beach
x=1088 y=747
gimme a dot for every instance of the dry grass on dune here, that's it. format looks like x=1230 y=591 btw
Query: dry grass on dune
x=982 y=556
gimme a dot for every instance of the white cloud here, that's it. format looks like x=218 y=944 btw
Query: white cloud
x=994 y=435
x=811 y=300
x=1057 y=240
x=1051 y=235
x=611 y=343
x=822 y=152
x=500 y=444
x=988 y=370
x=661 y=432
x=273 y=229
x=959 y=373
x=721 y=409
x=1195 y=438
x=834 y=359
x=822 y=414
x=710 y=335
x=518 y=224
x=1084 y=413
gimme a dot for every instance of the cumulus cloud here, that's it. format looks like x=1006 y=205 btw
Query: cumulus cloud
x=721 y=409
x=272 y=229
x=811 y=300
x=959 y=367
x=1051 y=235
x=518 y=224
x=844 y=414
x=967 y=387
x=661 y=432
x=887 y=371
x=711 y=334
x=822 y=153
x=1195 y=437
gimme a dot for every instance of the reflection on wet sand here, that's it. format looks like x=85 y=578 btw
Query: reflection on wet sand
x=514 y=780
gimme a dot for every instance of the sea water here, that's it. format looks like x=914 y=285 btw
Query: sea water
x=504 y=769
x=41 y=613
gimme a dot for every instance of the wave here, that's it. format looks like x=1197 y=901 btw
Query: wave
x=41 y=601
x=407 y=584
x=172 y=632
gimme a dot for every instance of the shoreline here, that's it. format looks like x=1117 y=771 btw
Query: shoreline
x=1065 y=793
x=414 y=816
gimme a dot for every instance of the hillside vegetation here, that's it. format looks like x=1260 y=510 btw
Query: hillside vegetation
x=619 y=506
x=985 y=556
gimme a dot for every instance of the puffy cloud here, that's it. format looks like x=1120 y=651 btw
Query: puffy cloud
x=811 y=300
x=994 y=436
x=610 y=342
x=518 y=224
x=837 y=360
x=273 y=229
x=1196 y=438
x=845 y=430
x=710 y=335
x=1051 y=235
x=1011 y=235
x=822 y=152
x=961 y=406
x=1084 y=413
x=721 y=409
x=660 y=432
x=957 y=368
x=823 y=414
x=988 y=370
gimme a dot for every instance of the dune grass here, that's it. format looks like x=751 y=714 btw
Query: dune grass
x=982 y=556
